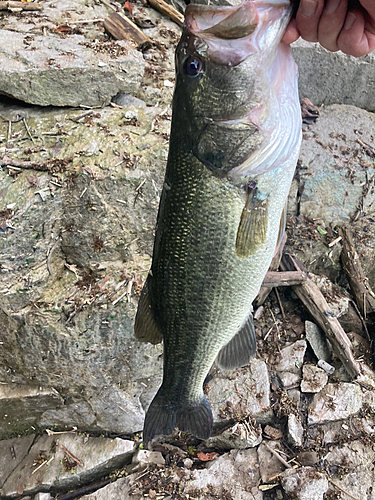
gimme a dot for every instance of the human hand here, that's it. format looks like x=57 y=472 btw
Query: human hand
x=343 y=25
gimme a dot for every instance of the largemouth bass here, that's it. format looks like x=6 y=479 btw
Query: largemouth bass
x=234 y=144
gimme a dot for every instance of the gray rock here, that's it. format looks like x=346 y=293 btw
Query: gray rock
x=247 y=389
x=128 y=102
x=102 y=378
x=367 y=376
x=43 y=496
x=240 y=436
x=335 y=402
x=314 y=379
x=335 y=78
x=21 y=406
x=118 y=490
x=356 y=457
x=142 y=458
x=295 y=395
x=291 y=357
x=49 y=70
x=269 y=464
x=342 y=430
x=295 y=430
x=12 y=452
x=289 y=379
x=331 y=187
x=317 y=340
x=234 y=473
x=369 y=399
x=98 y=455
x=305 y=483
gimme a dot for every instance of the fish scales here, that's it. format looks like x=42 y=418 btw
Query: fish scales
x=234 y=143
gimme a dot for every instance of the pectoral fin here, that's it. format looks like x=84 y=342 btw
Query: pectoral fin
x=240 y=349
x=145 y=328
x=252 y=229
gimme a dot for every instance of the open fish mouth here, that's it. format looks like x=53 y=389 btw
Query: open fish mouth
x=233 y=33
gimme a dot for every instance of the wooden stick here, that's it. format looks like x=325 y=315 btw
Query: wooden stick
x=20 y=6
x=277 y=455
x=71 y=455
x=313 y=299
x=122 y=28
x=359 y=284
x=275 y=263
x=286 y=278
x=167 y=10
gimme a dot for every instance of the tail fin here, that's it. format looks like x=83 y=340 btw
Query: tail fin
x=163 y=416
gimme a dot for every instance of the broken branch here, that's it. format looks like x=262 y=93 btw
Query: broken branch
x=284 y=278
x=359 y=284
x=275 y=263
x=313 y=299
x=167 y=10
x=122 y=28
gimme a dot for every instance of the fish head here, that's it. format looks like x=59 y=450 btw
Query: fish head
x=222 y=92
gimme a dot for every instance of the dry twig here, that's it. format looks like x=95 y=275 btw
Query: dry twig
x=67 y=452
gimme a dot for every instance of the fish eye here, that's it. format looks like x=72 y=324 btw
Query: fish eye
x=193 y=66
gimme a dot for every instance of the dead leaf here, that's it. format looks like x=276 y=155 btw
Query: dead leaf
x=207 y=457
x=129 y=7
x=64 y=28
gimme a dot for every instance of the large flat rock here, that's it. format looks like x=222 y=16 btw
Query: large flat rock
x=335 y=78
x=54 y=71
x=48 y=463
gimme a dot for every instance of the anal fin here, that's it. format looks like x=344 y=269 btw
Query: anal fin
x=240 y=349
x=145 y=327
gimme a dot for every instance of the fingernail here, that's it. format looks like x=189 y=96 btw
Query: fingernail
x=350 y=20
x=331 y=6
x=308 y=7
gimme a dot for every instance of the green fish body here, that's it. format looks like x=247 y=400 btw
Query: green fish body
x=234 y=144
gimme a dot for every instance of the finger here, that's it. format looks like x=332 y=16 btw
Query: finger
x=291 y=34
x=307 y=17
x=357 y=37
x=369 y=7
x=331 y=23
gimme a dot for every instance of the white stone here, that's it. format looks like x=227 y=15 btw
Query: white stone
x=291 y=357
x=295 y=430
x=305 y=483
x=335 y=402
x=314 y=379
